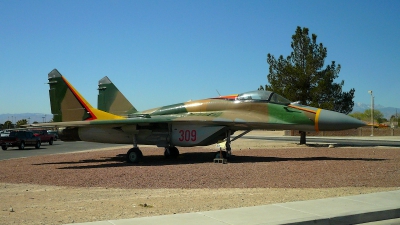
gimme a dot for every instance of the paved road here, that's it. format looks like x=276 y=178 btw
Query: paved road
x=56 y=148
x=391 y=141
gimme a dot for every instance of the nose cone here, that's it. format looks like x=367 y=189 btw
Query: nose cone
x=330 y=120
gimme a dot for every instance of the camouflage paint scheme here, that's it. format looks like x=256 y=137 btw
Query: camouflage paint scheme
x=193 y=123
x=68 y=105
x=111 y=100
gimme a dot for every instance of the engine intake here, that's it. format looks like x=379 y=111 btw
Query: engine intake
x=69 y=134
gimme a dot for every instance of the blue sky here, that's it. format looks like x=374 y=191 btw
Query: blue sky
x=165 y=52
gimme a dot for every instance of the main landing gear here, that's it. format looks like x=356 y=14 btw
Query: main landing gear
x=134 y=155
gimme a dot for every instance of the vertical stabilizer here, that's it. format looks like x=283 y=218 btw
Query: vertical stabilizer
x=111 y=100
x=67 y=104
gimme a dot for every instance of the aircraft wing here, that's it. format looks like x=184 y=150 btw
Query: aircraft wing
x=233 y=120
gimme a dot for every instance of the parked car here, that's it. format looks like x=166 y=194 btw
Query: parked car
x=44 y=136
x=54 y=133
x=5 y=133
x=20 y=139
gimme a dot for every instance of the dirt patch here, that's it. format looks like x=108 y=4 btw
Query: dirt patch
x=38 y=204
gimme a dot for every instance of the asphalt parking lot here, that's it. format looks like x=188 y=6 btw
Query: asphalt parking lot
x=58 y=147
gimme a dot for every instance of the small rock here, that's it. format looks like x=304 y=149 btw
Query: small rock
x=331 y=146
x=11 y=209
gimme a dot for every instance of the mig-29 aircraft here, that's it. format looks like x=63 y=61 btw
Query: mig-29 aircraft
x=193 y=123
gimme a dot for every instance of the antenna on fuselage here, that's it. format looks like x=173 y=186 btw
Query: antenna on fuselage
x=218 y=93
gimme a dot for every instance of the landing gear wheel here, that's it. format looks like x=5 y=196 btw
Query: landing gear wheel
x=134 y=155
x=37 y=145
x=21 y=145
x=218 y=155
x=171 y=152
x=4 y=147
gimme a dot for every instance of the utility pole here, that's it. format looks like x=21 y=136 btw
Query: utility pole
x=372 y=113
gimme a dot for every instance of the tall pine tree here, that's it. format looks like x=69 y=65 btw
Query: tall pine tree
x=301 y=76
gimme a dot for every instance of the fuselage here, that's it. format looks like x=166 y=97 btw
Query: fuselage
x=205 y=122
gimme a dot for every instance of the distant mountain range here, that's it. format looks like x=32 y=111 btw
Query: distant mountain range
x=386 y=111
x=40 y=117
x=31 y=117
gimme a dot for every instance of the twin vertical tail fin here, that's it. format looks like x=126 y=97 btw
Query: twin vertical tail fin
x=67 y=104
x=111 y=100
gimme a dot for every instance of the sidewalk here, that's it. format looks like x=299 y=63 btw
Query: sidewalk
x=343 y=210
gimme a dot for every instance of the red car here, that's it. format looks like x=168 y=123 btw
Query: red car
x=44 y=136
x=20 y=139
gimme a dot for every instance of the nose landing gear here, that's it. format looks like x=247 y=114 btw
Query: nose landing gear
x=228 y=151
x=171 y=152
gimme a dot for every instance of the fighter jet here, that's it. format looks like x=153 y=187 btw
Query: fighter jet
x=193 y=123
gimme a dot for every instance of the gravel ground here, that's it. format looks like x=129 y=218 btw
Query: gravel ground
x=99 y=185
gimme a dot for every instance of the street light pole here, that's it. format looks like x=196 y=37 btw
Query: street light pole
x=372 y=113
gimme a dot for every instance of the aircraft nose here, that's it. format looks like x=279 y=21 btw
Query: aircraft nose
x=330 y=120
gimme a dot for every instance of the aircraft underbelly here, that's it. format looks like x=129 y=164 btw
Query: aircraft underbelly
x=104 y=135
x=181 y=135
x=116 y=136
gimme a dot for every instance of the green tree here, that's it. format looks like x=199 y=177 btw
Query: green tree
x=366 y=116
x=8 y=124
x=21 y=122
x=378 y=115
x=301 y=76
x=358 y=115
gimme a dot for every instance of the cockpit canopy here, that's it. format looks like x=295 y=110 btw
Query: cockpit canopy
x=264 y=96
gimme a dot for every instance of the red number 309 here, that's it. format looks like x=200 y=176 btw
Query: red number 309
x=187 y=135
